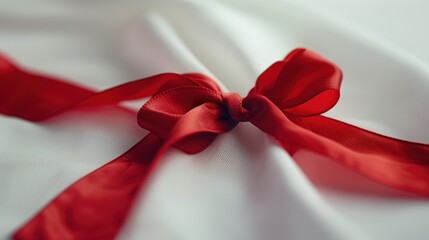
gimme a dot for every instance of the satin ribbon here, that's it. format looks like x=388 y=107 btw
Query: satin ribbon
x=188 y=111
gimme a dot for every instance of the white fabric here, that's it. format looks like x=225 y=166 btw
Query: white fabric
x=243 y=186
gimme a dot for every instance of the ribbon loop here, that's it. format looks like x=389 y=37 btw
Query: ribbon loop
x=303 y=84
x=165 y=109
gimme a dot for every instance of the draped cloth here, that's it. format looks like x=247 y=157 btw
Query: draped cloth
x=304 y=205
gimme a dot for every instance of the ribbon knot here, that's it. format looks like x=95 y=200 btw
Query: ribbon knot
x=188 y=111
x=234 y=105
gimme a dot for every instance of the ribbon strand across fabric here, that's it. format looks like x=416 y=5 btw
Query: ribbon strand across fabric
x=188 y=111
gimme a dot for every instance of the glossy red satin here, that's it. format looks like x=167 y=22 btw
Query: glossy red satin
x=188 y=111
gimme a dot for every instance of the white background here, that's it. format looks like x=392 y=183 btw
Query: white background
x=243 y=186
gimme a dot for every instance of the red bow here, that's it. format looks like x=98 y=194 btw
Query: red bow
x=188 y=111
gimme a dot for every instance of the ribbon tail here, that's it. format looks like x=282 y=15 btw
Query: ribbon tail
x=393 y=162
x=396 y=163
x=96 y=206
x=36 y=97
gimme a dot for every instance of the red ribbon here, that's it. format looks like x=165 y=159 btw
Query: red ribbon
x=187 y=112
